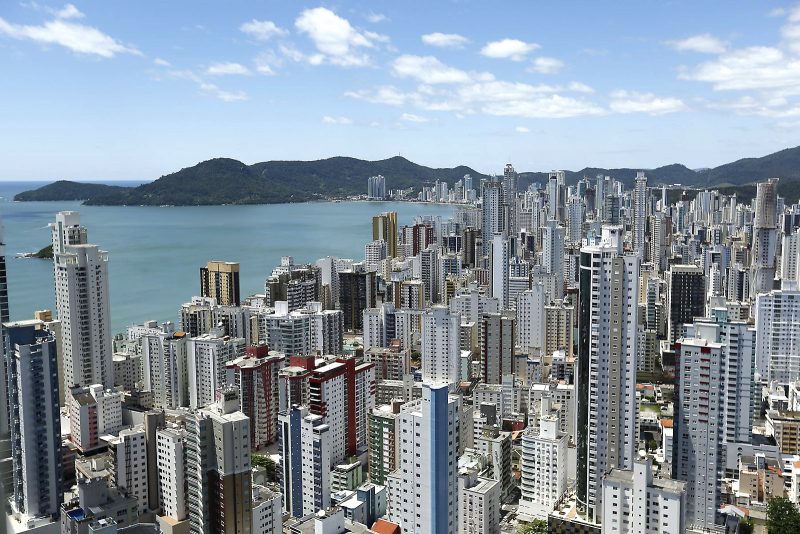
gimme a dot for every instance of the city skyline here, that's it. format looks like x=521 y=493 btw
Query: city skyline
x=115 y=93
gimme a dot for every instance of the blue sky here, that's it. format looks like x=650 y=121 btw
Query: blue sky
x=112 y=90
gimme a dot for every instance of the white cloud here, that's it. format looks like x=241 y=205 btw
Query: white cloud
x=377 y=17
x=336 y=40
x=755 y=67
x=69 y=11
x=344 y=121
x=445 y=40
x=513 y=49
x=410 y=117
x=225 y=96
x=546 y=65
x=635 y=102
x=522 y=129
x=263 y=30
x=579 y=87
x=429 y=70
x=267 y=62
x=209 y=88
x=226 y=69
x=162 y=62
x=76 y=37
x=704 y=44
x=489 y=97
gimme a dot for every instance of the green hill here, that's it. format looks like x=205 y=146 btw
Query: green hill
x=228 y=181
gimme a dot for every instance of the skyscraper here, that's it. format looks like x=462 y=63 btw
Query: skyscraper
x=510 y=200
x=492 y=216
x=441 y=355
x=686 y=297
x=36 y=431
x=376 y=187
x=499 y=260
x=777 y=335
x=219 y=472
x=423 y=492
x=606 y=375
x=497 y=347
x=357 y=292
x=82 y=301
x=765 y=238
x=639 y=214
x=220 y=280
x=384 y=228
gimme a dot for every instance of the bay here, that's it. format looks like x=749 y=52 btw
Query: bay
x=156 y=252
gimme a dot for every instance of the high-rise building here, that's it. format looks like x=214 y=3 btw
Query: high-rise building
x=634 y=502
x=686 y=297
x=376 y=187
x=171 y=461
x=765 y=237
x=256 y=377
x=441 y=353
x=698 y=453
x=423 y=492
x=81 y=281
x=93 y=412
x=384 y=441
x=777 y=317
x=207 y=356
x=499 y=269
x=429 y=273
x=492 y=213
x=328 y=398
x=531 y=319
x=375 y=253
x=384 y=228
x=32 y=380
x=129 y=464
x=479 y=503
x=220 y=280
x=510 y=200
x=357 y=292
x=606 y=376
x=544 y=466
x=497 y=347
x=553 y=254
x=639 y=214
x=219 y=472
x=166 y=367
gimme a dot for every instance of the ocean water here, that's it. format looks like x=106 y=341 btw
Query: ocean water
x=156 y=253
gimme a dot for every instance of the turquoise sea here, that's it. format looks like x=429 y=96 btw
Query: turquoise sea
x=156 y=253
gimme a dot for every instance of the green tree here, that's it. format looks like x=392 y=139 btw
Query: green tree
x=745 y=526
x=270 y=468
x=537 y=526
x=783 y=517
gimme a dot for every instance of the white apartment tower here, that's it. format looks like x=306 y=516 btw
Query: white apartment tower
x=129 y=459
x=441 y=354
x=499 y=272
x=765 y=237
x=698 y=453
x=207 y=356
x=544 y=466
x=171 y=458
x=479 y=504
x=606 y=371
x=492 y=213
x=423 y=492
x=636 y=503
x=531 y=321
x=81 y=282
x=639 y=214
x=778 y=334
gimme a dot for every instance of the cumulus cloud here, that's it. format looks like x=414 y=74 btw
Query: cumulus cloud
x=69 y=11
x=227 y=69
x=755 y=67
x=79 y=38
x=263 y=30
x=430 y=70
x=546 y=65
x=445 y=40
x=327 y=119
x=512 y=49
x=704 y=44
x=635 y=102
x=336 y=41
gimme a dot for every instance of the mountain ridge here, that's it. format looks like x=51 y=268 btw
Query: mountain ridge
x=229 y=181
